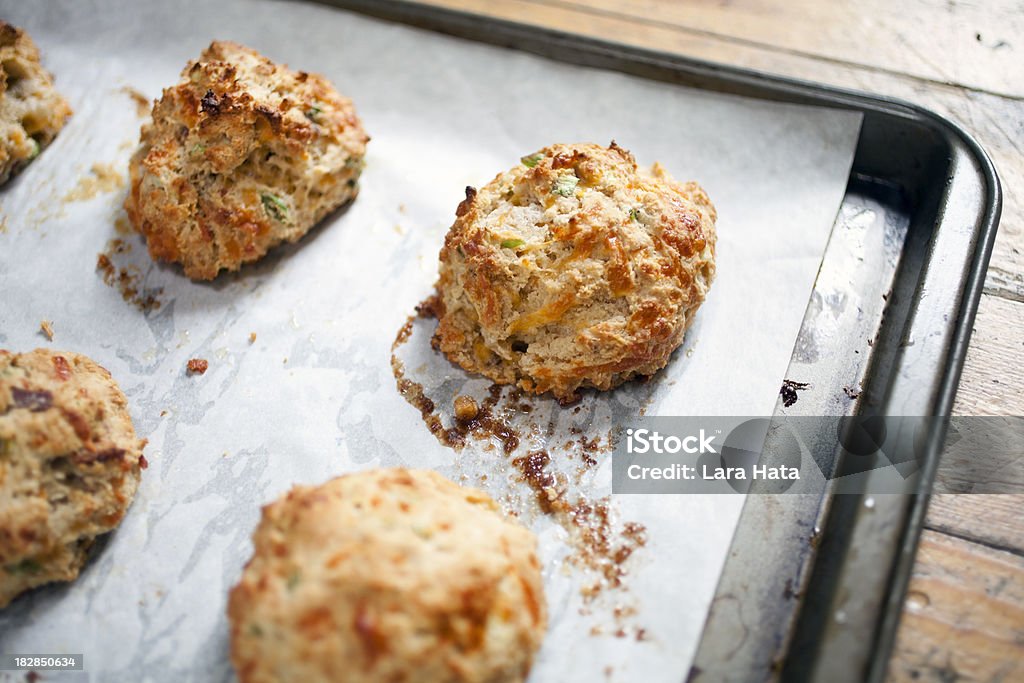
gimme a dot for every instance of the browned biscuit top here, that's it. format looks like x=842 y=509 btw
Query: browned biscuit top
x=387 y=575
x=574 y=269
x=241 y=155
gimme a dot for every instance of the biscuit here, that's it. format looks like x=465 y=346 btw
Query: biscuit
x=69 y=465
x=574 y=269
x=240 y=156
x=32 y=112
x=387 y=575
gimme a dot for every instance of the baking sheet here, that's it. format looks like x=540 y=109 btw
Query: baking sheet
x=314 y=396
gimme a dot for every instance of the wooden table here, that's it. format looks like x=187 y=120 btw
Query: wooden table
x=963 y=619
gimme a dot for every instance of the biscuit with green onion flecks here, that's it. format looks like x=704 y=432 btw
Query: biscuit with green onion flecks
x=240 y=156
x=574 y=269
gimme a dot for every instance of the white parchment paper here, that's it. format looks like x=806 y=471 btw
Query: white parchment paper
x=314 y=395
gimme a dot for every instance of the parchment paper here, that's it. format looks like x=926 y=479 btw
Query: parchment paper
x=314 y=395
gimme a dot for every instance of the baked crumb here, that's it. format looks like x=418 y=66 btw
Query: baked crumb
x=46 y=327
x=197 y=366
x=252 y=337
x=465 y=408
x=127 y=280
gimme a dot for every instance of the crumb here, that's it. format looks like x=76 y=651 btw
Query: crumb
x=46 y=327
x=122 y=226
x=466 y=408
x=789 y=389
x=118 y=246
x=127 y=280
x=401 y=208
x=252 y=337
x=163 y=413
x=103 y=264
x=197 y=366
x=851 y=392
x=428 y=308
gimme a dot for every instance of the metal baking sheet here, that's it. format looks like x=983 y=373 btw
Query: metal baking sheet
x=464 y=129
x=813 y=587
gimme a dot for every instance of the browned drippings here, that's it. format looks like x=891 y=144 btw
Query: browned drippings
x=597 y=546
x=589 y=448
x=533 y=468
x=601 y=550
x=485 y=424
x=127 y=280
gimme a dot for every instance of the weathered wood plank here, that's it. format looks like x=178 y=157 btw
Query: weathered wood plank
x=964 y=618
x=993 y=520
x=957 y=43
x=993 y=379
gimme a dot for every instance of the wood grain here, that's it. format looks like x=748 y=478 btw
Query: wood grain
x=992 y=520
x=968 y=595
x=975 y=38
x=993 y=378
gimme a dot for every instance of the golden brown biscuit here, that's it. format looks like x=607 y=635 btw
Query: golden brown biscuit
x=387 y=575
x=69 y=465
x=32 y=112
x=574 y=269
x=242 y=155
